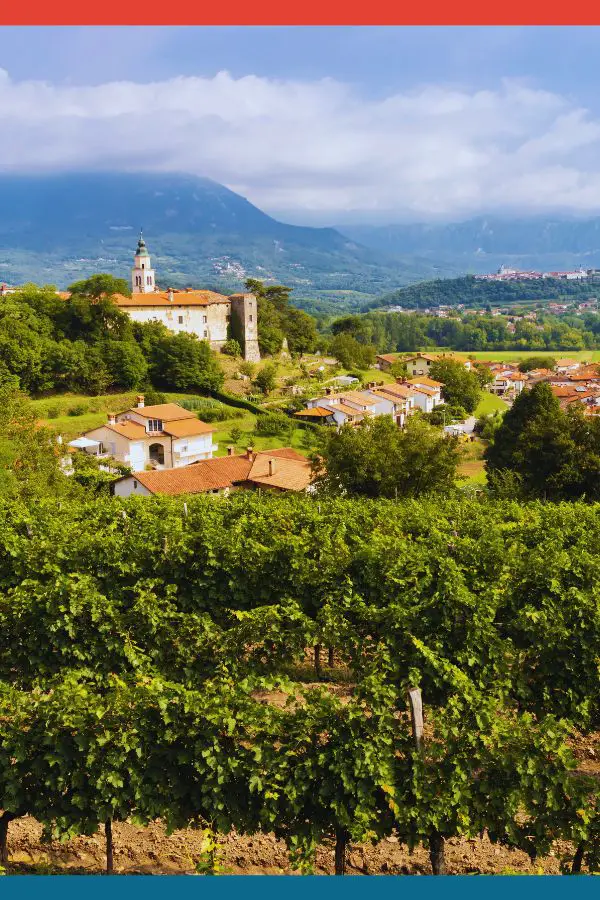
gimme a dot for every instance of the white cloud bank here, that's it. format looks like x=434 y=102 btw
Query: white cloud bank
x=319 y=147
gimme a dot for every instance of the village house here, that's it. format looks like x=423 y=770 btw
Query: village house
x=351 y=407
x=567 y=365
x=421 y=363
x=277 y=470
x=164 y=436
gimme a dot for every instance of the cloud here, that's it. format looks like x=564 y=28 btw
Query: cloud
x=320 y=148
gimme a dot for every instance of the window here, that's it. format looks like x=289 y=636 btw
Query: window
x=154 y=424
x=101 y=448
x=138 y=280
x=148 y=279
x=143 y=265
x=204 y=320
x=205 y=333
x=249 y=318
x=183 y=449
x=180 y=319
x=134 y=485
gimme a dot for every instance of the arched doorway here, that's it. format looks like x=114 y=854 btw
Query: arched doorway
x=157 y=454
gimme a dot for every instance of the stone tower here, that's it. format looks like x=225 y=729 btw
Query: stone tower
x=142 y=274
x=244 y=324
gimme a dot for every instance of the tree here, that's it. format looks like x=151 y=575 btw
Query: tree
x=537 y=362
x=554 y=455
x=378 y=459
x=100 y=285
x=278 y=320
x=32 y=452
x=461 y=387
x=301 y=331
x=350 y=352
x=274 y=423
x=126 y=363
x=266 y=379
x=183 y=363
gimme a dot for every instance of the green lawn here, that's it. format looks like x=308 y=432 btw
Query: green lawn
x=515 y=355
x=97 y=408
x=489 y=403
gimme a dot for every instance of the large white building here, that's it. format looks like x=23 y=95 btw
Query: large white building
x=210 y=316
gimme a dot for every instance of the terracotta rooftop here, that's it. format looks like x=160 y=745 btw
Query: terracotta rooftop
x=428 y=382
x=317 y=411
x=187 y=428
x=168 y=412
x=199 y=478
x=133 y=431
x=292 y=472
x=289 y=474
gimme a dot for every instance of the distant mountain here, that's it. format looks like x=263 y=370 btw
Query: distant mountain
x=483 y=244
x=58 y=228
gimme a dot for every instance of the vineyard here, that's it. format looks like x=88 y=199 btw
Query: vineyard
x=143 y=642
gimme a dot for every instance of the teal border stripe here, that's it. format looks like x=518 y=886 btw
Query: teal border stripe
x=290 y=887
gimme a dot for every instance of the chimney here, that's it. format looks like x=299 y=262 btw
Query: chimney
x=170 y=295
x=271 y=467
x=249 y=452
x=230 y=451
x=112 y=419
x=140 y=401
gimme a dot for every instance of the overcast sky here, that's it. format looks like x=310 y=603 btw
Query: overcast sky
x=319 y=125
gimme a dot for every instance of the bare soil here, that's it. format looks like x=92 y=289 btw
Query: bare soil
x=150 y=851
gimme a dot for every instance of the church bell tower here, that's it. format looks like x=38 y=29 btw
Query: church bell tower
x=142 y=274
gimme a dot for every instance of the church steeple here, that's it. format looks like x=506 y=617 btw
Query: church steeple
x=142 y=274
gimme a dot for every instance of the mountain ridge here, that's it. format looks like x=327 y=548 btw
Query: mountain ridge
x=57 y=228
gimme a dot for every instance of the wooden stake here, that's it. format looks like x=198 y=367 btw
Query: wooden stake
x=436 y=840
x=416 y=716
x=109 y=846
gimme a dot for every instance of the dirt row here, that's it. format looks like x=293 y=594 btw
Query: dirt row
x=151 y=851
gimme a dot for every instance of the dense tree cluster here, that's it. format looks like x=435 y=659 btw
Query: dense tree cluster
x=472 y=292
x=541 y=451
x=378 y=459
x=87 y=344
x=278 y=320
x=390 y=332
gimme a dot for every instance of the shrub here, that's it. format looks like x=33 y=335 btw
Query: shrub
x=231 y=348
x=273 y=423
x=79 y=409
x=53 y=411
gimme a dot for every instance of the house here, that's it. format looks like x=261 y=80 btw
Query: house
x=567 y=365
x=277 y=470
x=427 y=393
x=386 y=360
x=507 y=381
x=164 y=436
x=421 y=363
x=399 y=401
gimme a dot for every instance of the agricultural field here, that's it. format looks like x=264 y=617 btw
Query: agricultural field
x=272 y=640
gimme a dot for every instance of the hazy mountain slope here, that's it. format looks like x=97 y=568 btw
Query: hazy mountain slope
x=483 y=244
x=55 y=228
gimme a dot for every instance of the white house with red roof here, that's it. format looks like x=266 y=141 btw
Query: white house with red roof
x=164 y=436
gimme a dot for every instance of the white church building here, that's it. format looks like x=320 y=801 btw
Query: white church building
x=212 y=317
